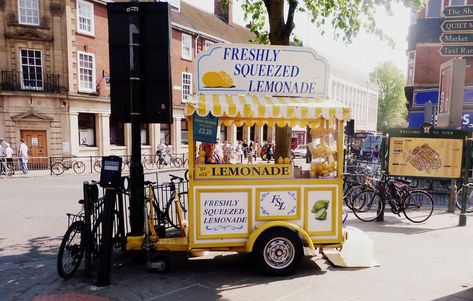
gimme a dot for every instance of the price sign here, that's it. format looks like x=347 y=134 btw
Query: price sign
x=205 y=128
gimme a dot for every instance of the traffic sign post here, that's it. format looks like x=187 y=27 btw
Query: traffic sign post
x=456 y=38
x=456 y=50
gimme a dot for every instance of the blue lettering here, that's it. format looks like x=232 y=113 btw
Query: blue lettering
x=252 y=54
x=234 y=54
x=237 y=69
x=262 y=70
x=226 y=52
x=243 y=54
x=294 y=71
x=275 y=54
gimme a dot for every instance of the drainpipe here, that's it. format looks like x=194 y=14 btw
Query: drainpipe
x=196 y=43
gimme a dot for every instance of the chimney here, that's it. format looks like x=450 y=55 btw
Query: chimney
x=226 y=13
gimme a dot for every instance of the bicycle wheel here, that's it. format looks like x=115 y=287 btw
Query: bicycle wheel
x=98 y=166
x=78 y=167
x=71 y=250
x=147 y=164
x=97 y=233
x=367 y=205
x=350 y=194
x=57 y=168
x=469 y=199
x=418 y=206
x=177 y=162
x=171 y=213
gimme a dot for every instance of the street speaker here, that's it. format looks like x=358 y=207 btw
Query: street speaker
x=350 y=128
x=154 y=62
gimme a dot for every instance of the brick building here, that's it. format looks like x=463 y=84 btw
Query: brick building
x=424 y=62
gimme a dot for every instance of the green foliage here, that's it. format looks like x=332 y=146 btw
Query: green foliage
x=391 y=101
x=345 y=17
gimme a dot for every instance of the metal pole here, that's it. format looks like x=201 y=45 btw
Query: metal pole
x=466 y=171
x=106 y=241
x=382 y=153
x=136 y=168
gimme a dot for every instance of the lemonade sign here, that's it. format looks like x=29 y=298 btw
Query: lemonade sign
x=262 y=70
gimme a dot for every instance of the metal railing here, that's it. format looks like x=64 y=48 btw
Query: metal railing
x=13 y=80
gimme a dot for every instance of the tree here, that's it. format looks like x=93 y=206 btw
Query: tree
x=345 y=17
x=392 y=109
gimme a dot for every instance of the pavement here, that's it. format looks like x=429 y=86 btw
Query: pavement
x=428 y=261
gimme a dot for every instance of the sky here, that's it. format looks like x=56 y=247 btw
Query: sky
x=364 y=53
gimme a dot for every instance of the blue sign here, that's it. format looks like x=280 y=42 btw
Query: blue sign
x=417 y=118
x=421 y=97
x=205 y=128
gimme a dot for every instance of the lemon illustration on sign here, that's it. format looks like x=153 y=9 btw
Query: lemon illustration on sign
x=217 y=80
x=320 y=209
x=321 y=215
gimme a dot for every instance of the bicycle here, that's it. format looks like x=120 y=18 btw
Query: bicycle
x=351 y=187
x=416 y=205
x=74 y=244
x=469 y=196
x=166 y=211
x=6 y=168
x=59 y=167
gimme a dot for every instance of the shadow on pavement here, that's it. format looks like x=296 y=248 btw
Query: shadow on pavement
x=465 y=295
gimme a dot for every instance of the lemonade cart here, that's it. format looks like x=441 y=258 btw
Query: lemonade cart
x=280 y=210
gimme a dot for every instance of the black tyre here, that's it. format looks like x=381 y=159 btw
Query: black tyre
x=78 y=167
x=418 y=206
x=278 y=251
x=350 y=193
x=97 y=233
x=177 y=162
x=57 y=168
x=469 y=197
x=147 y=164
x=171 y=213
x=367 y=205
x=71 y=250
x=160 y=264
x=98 y=166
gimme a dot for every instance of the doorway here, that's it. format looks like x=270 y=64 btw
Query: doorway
x=38 y=145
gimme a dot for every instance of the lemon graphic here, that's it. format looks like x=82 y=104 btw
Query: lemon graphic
x=321 y=215
x=217 y=80
x=319 y=205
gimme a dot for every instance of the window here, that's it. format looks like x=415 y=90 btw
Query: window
x=223 y=133
x=184 y=138
x=239 y=133
x=144 y=134
x=86 y=129
x=186 y=85
x=207 y=44
x=28 y=12
x=165 y=133
x=117 y=133
x=86 y=66
x=457 y=2
x=411 y=67
x=433 y=8
x=85 y=17
x=186 y=46
x=31 y=70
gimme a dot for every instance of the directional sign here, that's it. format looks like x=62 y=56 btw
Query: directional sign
x=457 y=25
x=458 y=11
x=456 y=50
x=456 y=38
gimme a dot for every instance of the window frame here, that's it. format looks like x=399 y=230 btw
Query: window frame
x=94 y=84
x=427 y=10
x=464 y=3
x=94 y=128
x=208 y=44
x=92 y=20
x=182 y=85
x=409 y=79
x=23 y=86
x=183 y=54
x=19 y=13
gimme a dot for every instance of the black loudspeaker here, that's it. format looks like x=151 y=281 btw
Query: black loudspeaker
x=155 y=86
x=350 y=128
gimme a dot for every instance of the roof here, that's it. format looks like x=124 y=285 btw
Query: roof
x=201 y=21
x=251 y=109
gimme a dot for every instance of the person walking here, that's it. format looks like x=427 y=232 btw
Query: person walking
x=23 y=157
x=8 y=155
x=227 y=152
x=375 y=155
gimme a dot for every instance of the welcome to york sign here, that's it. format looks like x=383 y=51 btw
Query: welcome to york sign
x=262 y=70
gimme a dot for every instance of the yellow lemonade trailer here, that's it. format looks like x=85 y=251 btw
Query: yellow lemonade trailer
x=277 y=210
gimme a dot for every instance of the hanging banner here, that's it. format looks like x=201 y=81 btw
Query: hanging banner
x=261 y=70
x=205 y=128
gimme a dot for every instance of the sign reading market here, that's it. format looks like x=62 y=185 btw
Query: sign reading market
x=261 y=70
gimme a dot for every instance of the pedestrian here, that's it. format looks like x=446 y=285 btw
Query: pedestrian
x=239 y=152
x=218 y=148
x=375 y=155
x=244 y=148
x=250 y=153
x=210 y=156
x=23 y=156
x=8 y=155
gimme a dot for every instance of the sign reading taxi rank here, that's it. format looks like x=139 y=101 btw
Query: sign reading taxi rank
x=262 y=70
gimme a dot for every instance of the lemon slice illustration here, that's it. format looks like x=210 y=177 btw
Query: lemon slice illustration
x=217 y=80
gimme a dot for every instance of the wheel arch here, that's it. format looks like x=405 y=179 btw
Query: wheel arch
x=275 y=224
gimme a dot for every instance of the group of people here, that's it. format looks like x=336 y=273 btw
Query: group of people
x=240 y=152
x=6 y=155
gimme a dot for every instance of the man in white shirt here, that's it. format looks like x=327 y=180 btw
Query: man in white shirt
x=23 y=157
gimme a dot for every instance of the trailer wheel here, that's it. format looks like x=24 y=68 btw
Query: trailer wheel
x=160 y=264
x=278 y=251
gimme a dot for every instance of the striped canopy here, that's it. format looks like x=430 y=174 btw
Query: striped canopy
x=260 y=110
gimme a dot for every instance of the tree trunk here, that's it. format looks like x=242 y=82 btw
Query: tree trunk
x=279 y=34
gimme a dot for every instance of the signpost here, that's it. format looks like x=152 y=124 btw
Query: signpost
x=457 y=36
x=458 y=11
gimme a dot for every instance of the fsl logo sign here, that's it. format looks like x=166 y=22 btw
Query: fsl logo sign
x=261 y=70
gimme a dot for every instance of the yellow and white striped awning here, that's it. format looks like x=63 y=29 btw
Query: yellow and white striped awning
x=260 y=110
